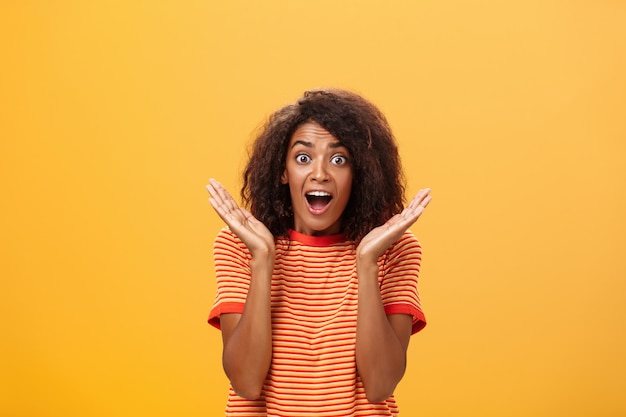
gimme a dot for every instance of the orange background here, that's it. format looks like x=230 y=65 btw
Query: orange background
x=113 y=115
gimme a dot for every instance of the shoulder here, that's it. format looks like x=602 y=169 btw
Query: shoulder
x=226 y=240
x=406 y=250
x=408 y=242
x=226 y=233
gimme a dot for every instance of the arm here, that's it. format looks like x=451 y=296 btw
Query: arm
x=247 y=337
x=381 y=341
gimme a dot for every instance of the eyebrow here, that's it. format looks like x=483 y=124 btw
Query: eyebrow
x=333 y=145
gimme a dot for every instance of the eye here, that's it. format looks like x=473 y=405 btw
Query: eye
x=303 y=158
x=339 y=160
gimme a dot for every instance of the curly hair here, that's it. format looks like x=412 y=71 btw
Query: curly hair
x=378 y=181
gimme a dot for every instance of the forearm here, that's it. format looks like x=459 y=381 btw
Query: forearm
x=248 y=350
x=380 y=356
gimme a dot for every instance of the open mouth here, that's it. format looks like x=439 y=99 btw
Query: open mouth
x=318 y=199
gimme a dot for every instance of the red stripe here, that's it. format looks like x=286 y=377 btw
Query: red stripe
x=314 y=308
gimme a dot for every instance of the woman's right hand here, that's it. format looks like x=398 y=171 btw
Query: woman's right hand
x=257 y=238
x=247 y=337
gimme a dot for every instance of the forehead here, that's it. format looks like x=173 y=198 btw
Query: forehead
x=310 y=133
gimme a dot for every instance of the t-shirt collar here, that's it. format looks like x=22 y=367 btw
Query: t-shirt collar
x=316 y=240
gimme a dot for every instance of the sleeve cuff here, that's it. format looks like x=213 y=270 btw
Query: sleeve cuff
x=419 y=320
x=218 y=310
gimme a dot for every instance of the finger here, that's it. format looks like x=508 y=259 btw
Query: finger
x=228 y=216
x=418 y=209
x=421 y=196
x=212 y=189
x=216 y=199
x=227 y=212
x=229 y=201
x=220 y=191
x=415 y=209
x=416 y=200
x=219 y=209
x=223 y=196
x=420 y=201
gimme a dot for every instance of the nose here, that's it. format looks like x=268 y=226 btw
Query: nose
x=319 y=171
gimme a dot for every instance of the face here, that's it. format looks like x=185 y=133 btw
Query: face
x=319 y=175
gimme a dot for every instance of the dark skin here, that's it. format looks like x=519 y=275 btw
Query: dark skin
x=381 y=340
x=247 y=367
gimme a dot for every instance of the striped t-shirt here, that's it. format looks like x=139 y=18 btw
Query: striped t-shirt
x=314 y=311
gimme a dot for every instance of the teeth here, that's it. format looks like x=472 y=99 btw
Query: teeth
x=318 y=194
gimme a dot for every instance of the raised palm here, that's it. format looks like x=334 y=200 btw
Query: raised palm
x=380 y=238
x=254 y=234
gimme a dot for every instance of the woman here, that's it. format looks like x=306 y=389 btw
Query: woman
x=317 y=282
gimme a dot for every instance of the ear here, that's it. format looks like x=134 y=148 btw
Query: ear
x=284 y=179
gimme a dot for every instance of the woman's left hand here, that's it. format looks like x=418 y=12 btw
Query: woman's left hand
x=380 y=238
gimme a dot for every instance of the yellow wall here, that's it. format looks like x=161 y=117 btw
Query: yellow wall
x=113 y=115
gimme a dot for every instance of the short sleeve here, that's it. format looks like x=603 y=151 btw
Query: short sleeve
x=232 y=272
x=398 y=287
